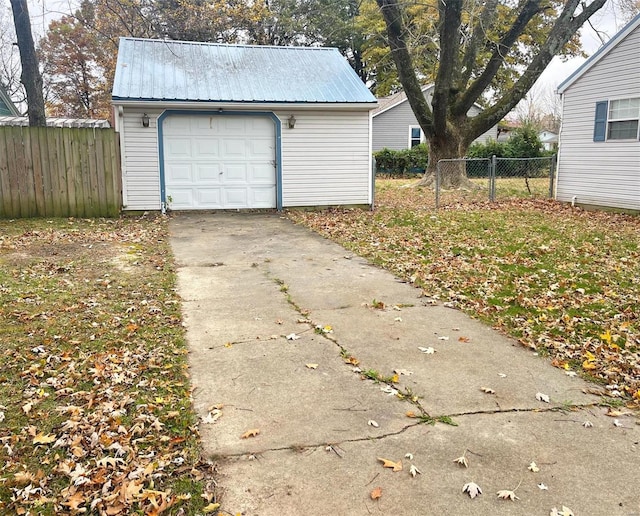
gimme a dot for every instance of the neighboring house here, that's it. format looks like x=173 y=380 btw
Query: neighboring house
x=599 y=159
x=211 y=126
x=7 y=107
x=549 y=140
x=395 y=126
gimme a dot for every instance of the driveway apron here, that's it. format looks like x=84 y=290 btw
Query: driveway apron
x=310 y=365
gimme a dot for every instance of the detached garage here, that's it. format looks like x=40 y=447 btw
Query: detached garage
x=209 y=126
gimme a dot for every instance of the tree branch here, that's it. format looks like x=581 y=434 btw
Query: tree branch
x=392 y=15
x=477 y=39
x=565 y=26
x=529 y=10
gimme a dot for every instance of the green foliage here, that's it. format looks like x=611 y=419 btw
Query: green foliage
x=406 y=161
x=487 y=150
x=524 y=143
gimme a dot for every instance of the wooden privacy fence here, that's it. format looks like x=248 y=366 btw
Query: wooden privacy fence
x=59 y=172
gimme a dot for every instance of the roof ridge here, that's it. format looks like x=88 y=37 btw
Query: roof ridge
x=235 y=45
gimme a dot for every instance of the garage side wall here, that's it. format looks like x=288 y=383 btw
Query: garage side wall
x=139 y=155
x=326 y=158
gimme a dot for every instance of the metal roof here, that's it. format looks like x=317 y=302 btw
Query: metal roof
x=57 y=122
x=156 y=70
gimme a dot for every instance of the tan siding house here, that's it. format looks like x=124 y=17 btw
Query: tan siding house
x=599 y=156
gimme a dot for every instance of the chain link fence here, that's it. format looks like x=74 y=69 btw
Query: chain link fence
x=469 y=180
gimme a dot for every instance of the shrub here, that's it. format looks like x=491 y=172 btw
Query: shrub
x=401 y=162
x=486 y=150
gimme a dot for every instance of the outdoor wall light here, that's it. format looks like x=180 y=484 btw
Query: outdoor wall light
x=291 y=122
x=145 y=120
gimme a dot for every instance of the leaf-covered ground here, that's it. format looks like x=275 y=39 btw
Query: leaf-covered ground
x=563 y=281
x=95 y=407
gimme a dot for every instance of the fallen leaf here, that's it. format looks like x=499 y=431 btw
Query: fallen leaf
x=472 y=489
x=376 y=493
x=616 y=422
x=44 y=439
x=572 y=374
x=372 y=423
x=395 y=378
x=542 y=397
x=587 y=424
x=311 y=366
x=505 y=494
x=228 y=345
x=616 y=413
x=403 y=372
x=487 y=390
x=250 y=433
x=210 y=508
x=395 y=466
x=502 y=375
x=26 y=408
x=74 y=502
x=443 y=338
x=408 y=456
x=212 y=417
x=464 y=339
x=410 y=413
x=565 y=511
x=533 y=467
x=398 y=319
x=352 y=360
x=292 y=336
x=462 y=461
x=543 y=487
x=428 y=351
x=413 y=471
x=389 y=390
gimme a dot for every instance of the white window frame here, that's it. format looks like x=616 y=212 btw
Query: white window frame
x=624 y=119
x=422 y=138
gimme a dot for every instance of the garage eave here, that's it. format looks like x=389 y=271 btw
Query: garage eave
x=260 y=106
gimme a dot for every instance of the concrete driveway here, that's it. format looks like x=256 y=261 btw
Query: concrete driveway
x=335 y=364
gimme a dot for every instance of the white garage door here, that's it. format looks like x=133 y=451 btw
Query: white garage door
x=219 y=162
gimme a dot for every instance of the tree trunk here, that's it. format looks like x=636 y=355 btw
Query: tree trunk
x=453 y=174
x=31 y=77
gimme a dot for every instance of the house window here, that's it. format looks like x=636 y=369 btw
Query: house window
x=617 y=119
x=624 y=115
x=416 y=136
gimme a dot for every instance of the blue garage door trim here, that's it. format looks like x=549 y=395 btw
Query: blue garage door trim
x=221 y=112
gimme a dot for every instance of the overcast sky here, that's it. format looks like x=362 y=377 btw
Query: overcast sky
x=607 y=22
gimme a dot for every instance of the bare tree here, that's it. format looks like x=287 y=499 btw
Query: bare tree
x=10 y=60
x=31 y=77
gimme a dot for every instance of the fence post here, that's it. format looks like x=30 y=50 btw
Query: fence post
x=437 y=185
x=552 y=174
x=374 y=167
x=492 y=178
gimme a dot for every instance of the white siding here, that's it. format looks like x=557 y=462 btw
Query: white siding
x=600 y=173
x=140 y=171
x=391 y=127
x=326 y=158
